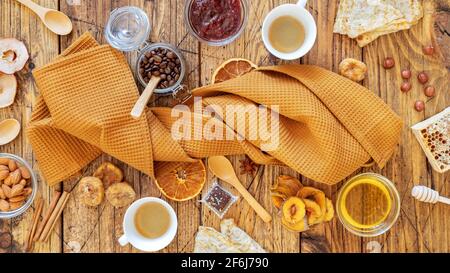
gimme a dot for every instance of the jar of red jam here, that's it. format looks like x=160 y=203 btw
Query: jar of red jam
x=216 y=22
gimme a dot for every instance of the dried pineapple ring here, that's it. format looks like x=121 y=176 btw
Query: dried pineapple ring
x=13 y=55
x=329 y=215
x=316 y=195
x=120 y=195
x=353 y=69
x=109 y=174
x=91 y=191
x=287 y=185
x=294 y=210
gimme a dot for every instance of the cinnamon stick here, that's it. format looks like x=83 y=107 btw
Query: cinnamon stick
x=52 y=206
x=37 y=214
x=55 y=215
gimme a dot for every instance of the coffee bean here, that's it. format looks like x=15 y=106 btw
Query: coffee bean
x=170 y=55
x=167 y=70
x=163 y=65
x=149 y=74
x=156 y=73
x=163 y=76
x=177 y=61
x=157 y=59
x=172 y=82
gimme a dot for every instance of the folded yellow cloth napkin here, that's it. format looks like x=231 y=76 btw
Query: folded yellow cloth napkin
x=329 y=126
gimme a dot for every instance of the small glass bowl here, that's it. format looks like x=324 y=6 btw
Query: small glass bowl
x=244 y=20
x=127 y=28
x=386 y=223
x=21 y=210
x=149 y=47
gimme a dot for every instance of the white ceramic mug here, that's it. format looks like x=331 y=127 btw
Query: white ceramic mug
x=299 y=12
x=133 y=237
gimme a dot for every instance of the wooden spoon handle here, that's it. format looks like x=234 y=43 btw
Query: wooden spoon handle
x=140 y=105
x=265 y=216
x=39 y=10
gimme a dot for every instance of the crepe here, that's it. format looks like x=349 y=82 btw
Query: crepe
x=366 y=20
x=231 y=239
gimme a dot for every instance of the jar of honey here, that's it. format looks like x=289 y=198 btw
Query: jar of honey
x=368 y=205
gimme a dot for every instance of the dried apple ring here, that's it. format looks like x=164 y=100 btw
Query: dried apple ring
x=13 y=55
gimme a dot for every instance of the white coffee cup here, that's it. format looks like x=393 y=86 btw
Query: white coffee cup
x=299 y=12
x=133 y=237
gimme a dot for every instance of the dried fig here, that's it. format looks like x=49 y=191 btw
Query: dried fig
x=293 y=210
x=353 y=69
x=4 y=205
x=109 y=174
x=296 y=227
x=120 y=195
x=91 y=191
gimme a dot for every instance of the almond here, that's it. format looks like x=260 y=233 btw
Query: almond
x=2 y=194
x=12 y=165
x=24 y=172
x=4 y=161
x=27 y=191
x=23 y=182
x=6 y=190
x=15 y=177
x=15 y=205
x=7 y=181
x=16 y=190
x=4 y=206
x=16 y=199
x=4 y=172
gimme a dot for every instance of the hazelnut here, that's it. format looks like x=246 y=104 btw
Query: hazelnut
x=430 y=91
x=406 y=87
x=389 y=63
x=423 y=78
x=419 y=106
x=406 y=74
x=428 y=50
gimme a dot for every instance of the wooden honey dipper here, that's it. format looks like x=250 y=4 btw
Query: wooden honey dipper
x=427 y=195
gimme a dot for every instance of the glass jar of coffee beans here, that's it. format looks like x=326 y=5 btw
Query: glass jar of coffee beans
x=164 y=61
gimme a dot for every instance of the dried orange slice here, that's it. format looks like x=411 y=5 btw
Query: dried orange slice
x=233 y=68
x=180 y=181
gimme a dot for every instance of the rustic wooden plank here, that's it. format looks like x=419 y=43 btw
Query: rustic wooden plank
x=19 y=22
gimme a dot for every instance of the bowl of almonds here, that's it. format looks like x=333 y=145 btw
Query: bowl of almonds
x=17 y=186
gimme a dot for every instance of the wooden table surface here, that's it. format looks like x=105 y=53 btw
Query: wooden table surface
x=420 y=228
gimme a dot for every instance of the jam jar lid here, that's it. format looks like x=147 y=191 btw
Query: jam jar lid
x=127 y=28
x=171 y=89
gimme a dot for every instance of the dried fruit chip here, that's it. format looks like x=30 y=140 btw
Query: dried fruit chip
x=287 y=186
x=313 y=212
x=180 y=181
x=13 y=55
x=120 y=195
x=91 y=191
x=293 y=210
x=329 y=215
x=353 y=69
x=233 y=68
x=109 y=174
x=314 y=194
x=278 y=199
x=296 y=227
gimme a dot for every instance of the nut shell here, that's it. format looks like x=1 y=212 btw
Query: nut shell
x=120 y=195
x=91 y=191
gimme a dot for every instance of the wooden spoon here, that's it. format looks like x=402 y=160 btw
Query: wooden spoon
x=221 y=167
x=9 y=130
x=142 y=102
x=54 y=20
